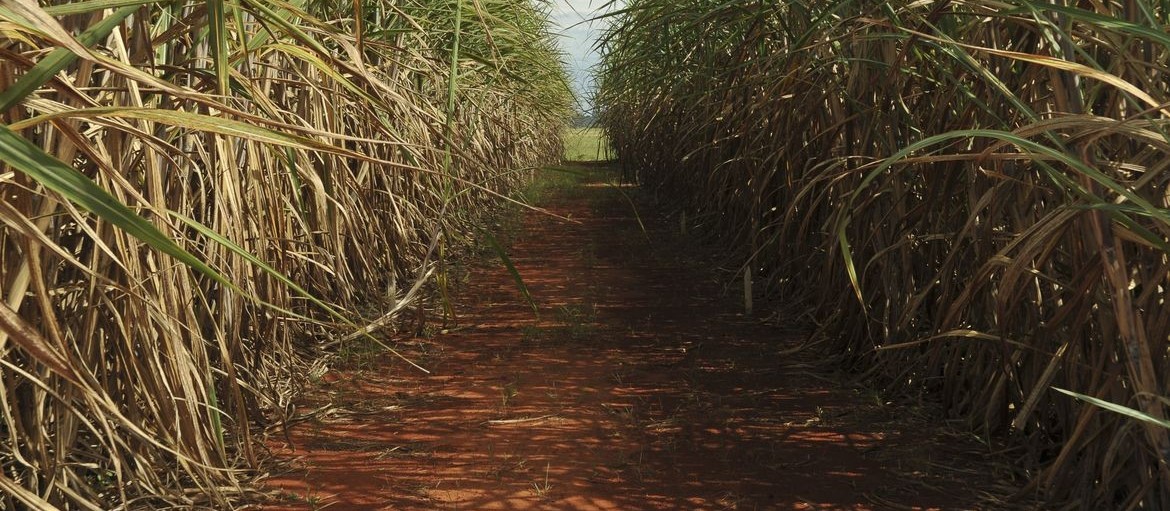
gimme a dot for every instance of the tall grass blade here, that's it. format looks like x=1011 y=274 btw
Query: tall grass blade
x=519 y=280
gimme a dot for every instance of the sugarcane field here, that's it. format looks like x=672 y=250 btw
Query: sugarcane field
x=298 y=255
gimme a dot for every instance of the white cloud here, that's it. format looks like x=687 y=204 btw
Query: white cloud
x=578 y=34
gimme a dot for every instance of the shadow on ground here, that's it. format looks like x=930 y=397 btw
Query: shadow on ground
x=640 y=386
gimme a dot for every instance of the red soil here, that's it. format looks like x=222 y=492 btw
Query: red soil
x=640 y=386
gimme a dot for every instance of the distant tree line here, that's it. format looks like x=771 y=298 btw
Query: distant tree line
x=584 y=120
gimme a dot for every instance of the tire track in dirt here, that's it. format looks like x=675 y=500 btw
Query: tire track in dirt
x=640 y=386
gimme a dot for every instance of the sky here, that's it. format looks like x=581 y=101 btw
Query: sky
x=577 y=36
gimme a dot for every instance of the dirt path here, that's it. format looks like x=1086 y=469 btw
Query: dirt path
x=641 y=386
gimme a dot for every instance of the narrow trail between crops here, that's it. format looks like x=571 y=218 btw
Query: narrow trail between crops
x=642 y=385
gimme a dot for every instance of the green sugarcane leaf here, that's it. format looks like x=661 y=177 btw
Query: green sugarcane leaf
x=217 y=26
x=1115 y=408
x=259 y=263
x=503 y=255
x=83 y=191
x=59 y=59
x=88 y=6
x=198 y=122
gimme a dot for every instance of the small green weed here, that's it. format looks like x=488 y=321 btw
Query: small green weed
x=358 y=353
x=575 y=323
x=507 y=392
x=541 y=489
